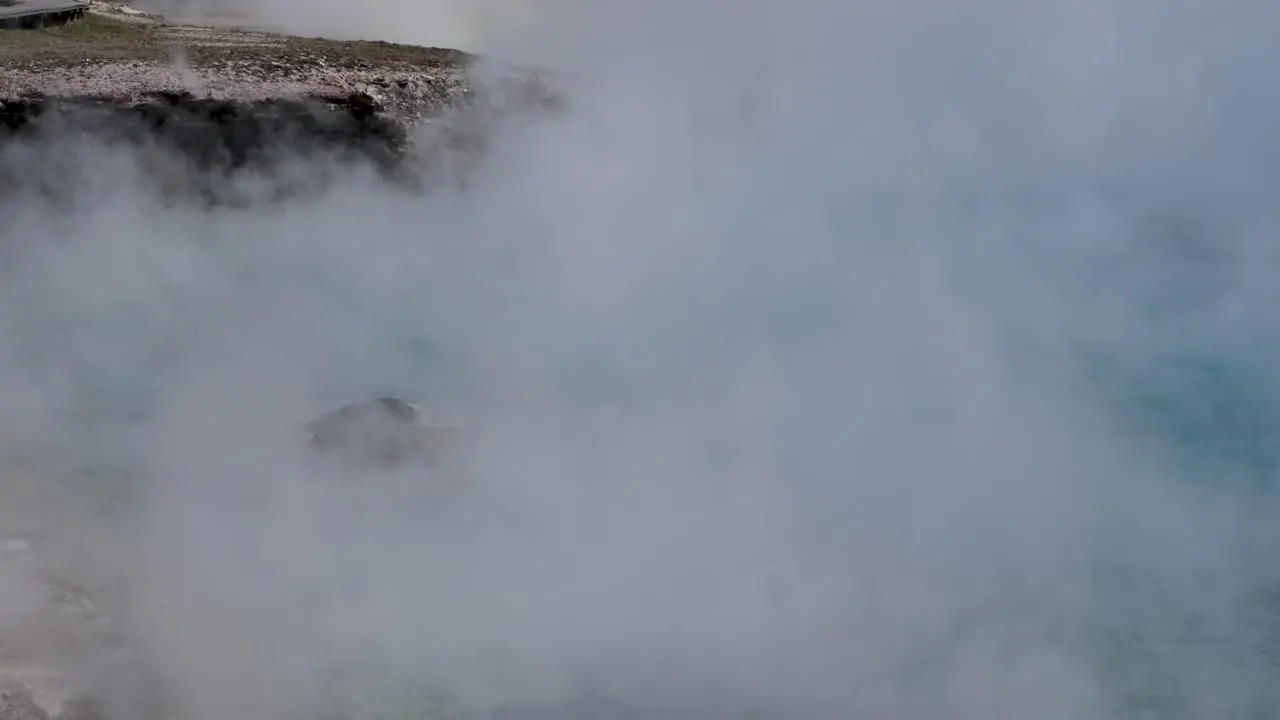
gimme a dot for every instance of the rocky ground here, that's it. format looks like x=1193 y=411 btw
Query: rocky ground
x=230 y=98
x=126 y=55
x=48 y=626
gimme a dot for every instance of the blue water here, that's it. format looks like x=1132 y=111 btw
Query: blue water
x=1195 y=401
x=1011 y=407
x=1214 y=417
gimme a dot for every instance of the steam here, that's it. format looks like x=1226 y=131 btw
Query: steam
x=463 y=24
x=800 y=362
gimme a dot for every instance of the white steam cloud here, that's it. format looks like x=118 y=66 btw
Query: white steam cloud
x=464 y=24
x=787 y=358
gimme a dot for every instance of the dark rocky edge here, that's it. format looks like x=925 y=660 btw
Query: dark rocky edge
x=204 y=148
x=215 y=133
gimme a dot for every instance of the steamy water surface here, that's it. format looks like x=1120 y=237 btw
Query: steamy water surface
x=870 y=360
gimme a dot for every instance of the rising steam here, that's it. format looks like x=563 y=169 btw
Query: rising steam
x=803 y=359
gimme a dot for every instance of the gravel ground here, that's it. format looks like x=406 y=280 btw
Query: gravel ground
x=122 y=54
x=238 y=99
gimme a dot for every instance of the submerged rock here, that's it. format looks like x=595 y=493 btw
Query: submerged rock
x=387 y=431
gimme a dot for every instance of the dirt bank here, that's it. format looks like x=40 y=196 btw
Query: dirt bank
x=122 y=56
x=234 y=100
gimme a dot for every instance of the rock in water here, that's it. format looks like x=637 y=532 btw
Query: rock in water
x=387 y=431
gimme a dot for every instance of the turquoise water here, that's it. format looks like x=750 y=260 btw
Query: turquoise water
x=829 y=423
x=1183 y=639
x=1214 y=417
